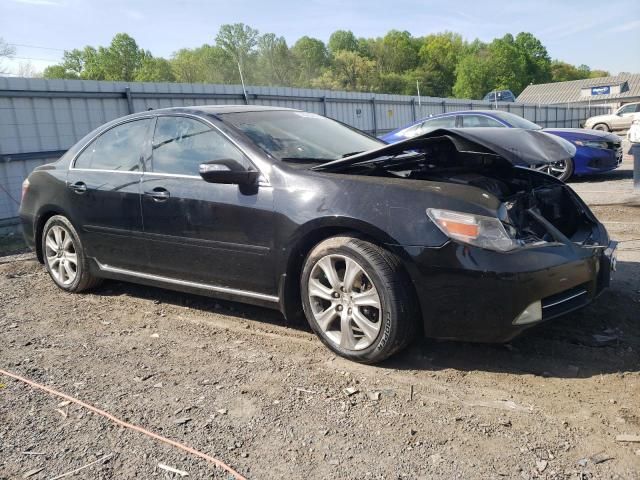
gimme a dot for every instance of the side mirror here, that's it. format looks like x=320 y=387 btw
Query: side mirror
x=228 y=171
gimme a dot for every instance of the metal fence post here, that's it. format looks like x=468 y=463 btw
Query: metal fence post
x=444 y=106
x=413 y=109
x=375 y=116
x=129 y=97
x=324 y=106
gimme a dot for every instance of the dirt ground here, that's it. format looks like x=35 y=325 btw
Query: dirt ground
x=237 y=383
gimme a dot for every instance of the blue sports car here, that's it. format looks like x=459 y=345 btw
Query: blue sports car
x=596 y=151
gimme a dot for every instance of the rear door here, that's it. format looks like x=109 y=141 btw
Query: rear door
x=214 y=234
x=103 y=188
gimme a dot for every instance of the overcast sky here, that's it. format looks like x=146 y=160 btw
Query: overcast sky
x=602 y=34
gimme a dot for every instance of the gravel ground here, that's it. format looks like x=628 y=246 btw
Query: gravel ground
x=237 y=383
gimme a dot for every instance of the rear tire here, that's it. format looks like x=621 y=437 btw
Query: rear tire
x=602 y=127
x=64 y=257
x=363 y=308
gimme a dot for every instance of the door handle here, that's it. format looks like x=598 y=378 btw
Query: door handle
x=78 y=187
x=158 y=194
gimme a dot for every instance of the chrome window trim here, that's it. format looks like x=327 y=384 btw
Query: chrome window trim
x=264 y=180
x=135 y=172
x=186 y=283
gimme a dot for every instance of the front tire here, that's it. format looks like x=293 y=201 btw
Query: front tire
x=603 y=127
x=357 y=299
x=64 y=257
x=562 y=170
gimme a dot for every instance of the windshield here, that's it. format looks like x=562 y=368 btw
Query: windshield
x=515 y=121
x=299 y=136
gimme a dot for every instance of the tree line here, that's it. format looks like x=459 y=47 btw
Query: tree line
x=442 y=64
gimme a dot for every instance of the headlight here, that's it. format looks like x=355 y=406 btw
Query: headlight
x=591 y=143
x=483 y=232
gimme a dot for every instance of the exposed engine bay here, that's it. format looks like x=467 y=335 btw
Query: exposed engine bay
x=535 y=207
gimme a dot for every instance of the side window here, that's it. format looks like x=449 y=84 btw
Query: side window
x=119 y=148
x=435 y=123
x=181 y=144
x=627 y=109
x=470 y=121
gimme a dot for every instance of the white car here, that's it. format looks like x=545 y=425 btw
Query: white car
x=619 y=120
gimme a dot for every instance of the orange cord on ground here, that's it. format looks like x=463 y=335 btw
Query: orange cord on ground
x=107 y=415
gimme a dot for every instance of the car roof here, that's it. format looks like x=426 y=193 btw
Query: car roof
x=216 y=109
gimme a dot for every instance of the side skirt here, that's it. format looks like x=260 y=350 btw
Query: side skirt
x=254 y=298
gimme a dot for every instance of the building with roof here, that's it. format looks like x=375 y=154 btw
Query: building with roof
x=611 y=91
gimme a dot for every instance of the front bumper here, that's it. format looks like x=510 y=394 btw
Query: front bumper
x=592 y=160
x=471 y=294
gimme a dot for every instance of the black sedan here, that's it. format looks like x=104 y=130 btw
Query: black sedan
x=443 y=234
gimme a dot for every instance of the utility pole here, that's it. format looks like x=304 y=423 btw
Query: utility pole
x=244 y=90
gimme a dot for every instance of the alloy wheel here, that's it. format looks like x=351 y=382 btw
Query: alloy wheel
x=345 y=303
x=61 y=254
x=557 y=169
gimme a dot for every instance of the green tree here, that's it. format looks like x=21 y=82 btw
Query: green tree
x=59 y=71
x=311 y=57
x=474 y=77
x=154 y=70
x=238 y=41
x=121 y=59
x=205 y=64
x=342 y=40
x=536 y=58
x=440 y=55
x=394 y=53
x=275 y=61
x=350 y=71
x=564 y=72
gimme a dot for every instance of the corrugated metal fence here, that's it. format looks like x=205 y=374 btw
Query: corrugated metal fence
x=40 y=119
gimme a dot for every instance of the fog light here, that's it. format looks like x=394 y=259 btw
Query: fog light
x=531 y=314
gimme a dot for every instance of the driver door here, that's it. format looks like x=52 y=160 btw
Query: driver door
x=214 y=234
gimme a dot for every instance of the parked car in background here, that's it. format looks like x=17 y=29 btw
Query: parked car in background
x=619 y=120
x=503 y=96
x=596 y=151
x=442 y=235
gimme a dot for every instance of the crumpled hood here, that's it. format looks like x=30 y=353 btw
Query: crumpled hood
x=515 y=145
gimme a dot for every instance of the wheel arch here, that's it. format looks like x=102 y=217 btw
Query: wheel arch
x=606 y=124
x=43 y=216
x=304 y=240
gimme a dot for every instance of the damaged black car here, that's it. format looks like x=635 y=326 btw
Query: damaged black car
x=450 y=234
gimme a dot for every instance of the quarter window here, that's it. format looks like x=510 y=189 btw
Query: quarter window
x=181 y=144
x=118 y=149
x=470 y=121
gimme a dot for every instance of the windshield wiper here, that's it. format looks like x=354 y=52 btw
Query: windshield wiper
x=351 y=153
x=306 y=159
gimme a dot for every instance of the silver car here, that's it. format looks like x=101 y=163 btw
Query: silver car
x=619 y=120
